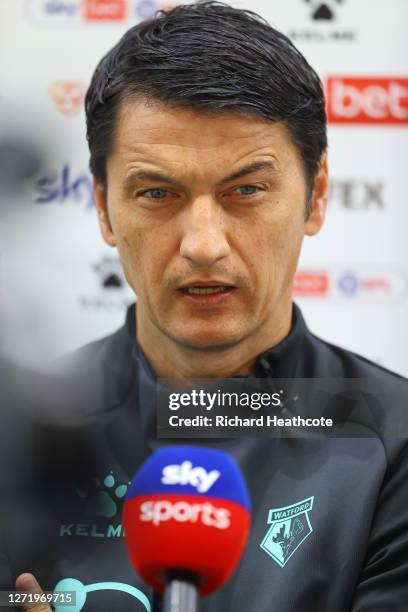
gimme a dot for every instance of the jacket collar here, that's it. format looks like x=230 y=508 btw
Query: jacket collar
x=280 y=361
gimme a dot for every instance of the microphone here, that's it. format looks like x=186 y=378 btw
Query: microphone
x=186 y=521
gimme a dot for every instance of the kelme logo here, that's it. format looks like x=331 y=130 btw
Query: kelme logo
x=102 y=500
x=289 y=528
x=102 y=497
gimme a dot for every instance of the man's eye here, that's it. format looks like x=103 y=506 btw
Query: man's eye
x=247 y=189
x=155 y=194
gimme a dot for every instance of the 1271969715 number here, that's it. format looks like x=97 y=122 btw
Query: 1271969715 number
x=21 y=598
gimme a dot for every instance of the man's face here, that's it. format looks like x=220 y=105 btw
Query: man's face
x=208 y=214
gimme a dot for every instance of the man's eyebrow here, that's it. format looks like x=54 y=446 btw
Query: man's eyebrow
x=255 y=167
x=148 y=175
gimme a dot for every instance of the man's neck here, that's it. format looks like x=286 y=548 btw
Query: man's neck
x=170 y=359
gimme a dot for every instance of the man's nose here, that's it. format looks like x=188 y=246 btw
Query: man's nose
x=204 y=240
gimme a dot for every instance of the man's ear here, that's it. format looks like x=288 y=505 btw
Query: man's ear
x=318 y=199
x=101 y=206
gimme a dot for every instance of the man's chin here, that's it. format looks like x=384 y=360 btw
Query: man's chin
x=207 y=340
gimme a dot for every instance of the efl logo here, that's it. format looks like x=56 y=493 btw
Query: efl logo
x=68 y=96
x=350 y=284
x=367 y=100
x=311 y=284
x=105 y=10
x=380 y=284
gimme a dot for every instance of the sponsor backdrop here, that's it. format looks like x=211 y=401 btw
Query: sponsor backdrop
x=61 y=286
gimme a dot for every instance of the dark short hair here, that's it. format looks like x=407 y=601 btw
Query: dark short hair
x=210 y=57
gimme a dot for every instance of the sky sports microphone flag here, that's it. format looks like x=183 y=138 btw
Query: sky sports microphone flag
x=187 y=509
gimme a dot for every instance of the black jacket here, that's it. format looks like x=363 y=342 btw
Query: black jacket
x=88 y=429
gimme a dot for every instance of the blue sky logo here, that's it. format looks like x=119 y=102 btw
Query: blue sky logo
x=58 y=7
x=55 y=12
x=65 y=187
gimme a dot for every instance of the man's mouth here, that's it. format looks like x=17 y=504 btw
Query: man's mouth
x=206 y=290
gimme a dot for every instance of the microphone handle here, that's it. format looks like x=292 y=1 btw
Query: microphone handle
x=180 y=596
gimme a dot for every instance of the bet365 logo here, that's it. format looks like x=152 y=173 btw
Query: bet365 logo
x=367 y=100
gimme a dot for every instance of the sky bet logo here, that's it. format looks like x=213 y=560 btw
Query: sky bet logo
x=186 y=474
x=105 y=10
x=72 y=12
x=367 y=100
x=84 y=12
